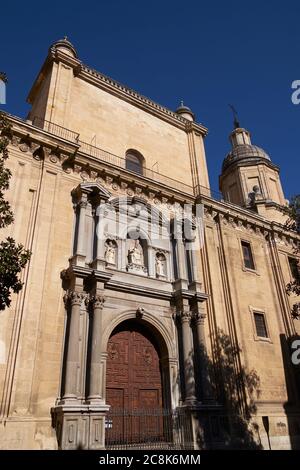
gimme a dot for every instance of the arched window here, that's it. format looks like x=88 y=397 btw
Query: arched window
x=134 y=161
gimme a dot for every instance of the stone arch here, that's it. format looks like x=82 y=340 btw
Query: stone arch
x=150 y=320
x=142 y=323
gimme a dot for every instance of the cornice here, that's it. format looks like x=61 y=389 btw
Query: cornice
x=117 y=179
x=25 y=130
x=248 y=163
x=140 y=290
x=245 y=220
x=116 y=88
x=67 y=157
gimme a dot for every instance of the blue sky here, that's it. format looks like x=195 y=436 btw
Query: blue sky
x=207 y=53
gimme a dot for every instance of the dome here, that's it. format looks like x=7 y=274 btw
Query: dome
x=66 y=45
x=185 y=111
x=244 y=153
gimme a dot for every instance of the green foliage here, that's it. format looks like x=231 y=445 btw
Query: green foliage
x=13 y=257
x=3 y=77
x=293 y=224
x=293 y=212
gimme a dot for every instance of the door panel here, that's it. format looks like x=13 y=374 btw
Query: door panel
x=133 y=365
x=133 y=381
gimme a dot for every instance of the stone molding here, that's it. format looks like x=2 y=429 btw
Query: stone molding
x=63 y=156
x=247 y=222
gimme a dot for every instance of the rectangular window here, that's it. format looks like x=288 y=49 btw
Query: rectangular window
x=293 y=262
x=247 y=254
x=260 y=325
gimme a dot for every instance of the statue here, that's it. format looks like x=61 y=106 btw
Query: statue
x=254 y=195
x=135 y=254
x=160 y=265
x=110 y=253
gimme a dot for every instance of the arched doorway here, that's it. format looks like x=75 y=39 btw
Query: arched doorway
x=135 y=385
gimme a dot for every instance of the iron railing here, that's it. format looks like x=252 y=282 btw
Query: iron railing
x=108 y=157
x=148 y=429
x=120 y=162
x=55 y=129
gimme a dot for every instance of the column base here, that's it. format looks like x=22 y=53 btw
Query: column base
x=191 y=402
x=77 y=260
x=79 y=426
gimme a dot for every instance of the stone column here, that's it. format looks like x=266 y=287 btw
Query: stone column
x=96 y=338
x=187 y=350
x=193 y=261
x=100 y=216
x=202 y=357
x=74 y=299
x=81 y=249
x=151 y=261
x=181 y=261
x=124 y=253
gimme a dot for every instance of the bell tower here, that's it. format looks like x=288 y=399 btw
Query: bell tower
x=250 y=179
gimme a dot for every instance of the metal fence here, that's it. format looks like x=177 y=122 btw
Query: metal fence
x=148 y=429
x=149 y=173
x=55 y=129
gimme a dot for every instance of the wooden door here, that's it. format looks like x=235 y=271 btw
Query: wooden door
x=133 y=385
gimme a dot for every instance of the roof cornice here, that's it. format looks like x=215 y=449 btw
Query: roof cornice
x=115 y=88
x=136 y=99
x=245 y=216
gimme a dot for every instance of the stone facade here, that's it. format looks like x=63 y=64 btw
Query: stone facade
x=108 y=248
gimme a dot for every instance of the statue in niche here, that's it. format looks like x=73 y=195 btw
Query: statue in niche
x=254 y=195
x=160 y=265
x=110 y=252
x=135 y=254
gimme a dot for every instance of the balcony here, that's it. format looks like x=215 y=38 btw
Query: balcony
x=55 y=129
x=107 y=157
x=147 y=173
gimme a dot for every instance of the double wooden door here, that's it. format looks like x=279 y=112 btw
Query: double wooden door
x=133 y=385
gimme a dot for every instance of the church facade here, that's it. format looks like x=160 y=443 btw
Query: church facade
x=153 y=312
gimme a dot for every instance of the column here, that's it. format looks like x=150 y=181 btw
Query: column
x=151 y=261
x=96 y=338
x=100 y=215
x=187 y=350
x=202 y=357
x=193 y=260
x=123 y=260
x=181 y=261
x=80 y=249
x=72 y=343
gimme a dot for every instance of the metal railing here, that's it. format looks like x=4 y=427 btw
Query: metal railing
x=120 y=162
x=55 y=129
x=148 y=429
x=101 y=154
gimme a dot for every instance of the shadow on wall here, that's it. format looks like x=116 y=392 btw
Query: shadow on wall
x=225 y=418
x=292 y=379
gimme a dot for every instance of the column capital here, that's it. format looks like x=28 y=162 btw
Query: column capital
x=82 y=204
x=74 y=298
x=182 y=315
x=199 y=316
x=97 y=301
